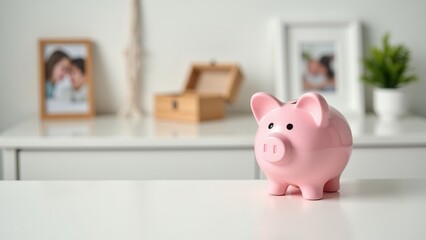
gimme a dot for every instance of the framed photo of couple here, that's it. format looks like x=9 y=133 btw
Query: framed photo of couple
x=320 y=56
x=66 y=78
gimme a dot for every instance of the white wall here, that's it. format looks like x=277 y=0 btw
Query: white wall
x=176 y=33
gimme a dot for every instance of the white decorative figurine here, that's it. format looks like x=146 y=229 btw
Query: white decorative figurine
x=133 y=65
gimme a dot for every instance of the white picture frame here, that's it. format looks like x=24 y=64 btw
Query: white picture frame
x=321 y=56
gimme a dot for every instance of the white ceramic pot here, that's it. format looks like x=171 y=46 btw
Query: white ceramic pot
x=389 y=104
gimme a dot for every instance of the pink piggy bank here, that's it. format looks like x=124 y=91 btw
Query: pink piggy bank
x=304 y=143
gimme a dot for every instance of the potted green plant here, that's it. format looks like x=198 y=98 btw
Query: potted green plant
x=387 y=70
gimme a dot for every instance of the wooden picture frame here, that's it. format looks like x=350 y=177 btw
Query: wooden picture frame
x=299 y=42
x=66 y=79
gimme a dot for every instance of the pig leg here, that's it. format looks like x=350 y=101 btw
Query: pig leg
x=333 y=185
x=312 y=192
x=275 y=188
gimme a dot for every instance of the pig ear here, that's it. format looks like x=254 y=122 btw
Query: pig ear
x=316 y=106
x=262 y=103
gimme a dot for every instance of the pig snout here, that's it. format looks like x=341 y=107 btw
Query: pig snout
x=275 y=148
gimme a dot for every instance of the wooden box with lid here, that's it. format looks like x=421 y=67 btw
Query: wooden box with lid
x=208 y=89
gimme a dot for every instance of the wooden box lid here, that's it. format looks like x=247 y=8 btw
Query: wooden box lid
x=215 y=79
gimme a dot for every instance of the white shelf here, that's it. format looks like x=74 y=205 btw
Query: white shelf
x=234 y=131
x=113 y=132
x=109 y=148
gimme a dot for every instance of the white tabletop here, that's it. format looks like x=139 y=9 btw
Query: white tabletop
x=234 y=131
x=364 y=209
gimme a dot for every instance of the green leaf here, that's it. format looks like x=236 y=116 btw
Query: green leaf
x=387 y=66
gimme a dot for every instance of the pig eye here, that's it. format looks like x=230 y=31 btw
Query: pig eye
x=271 y=125
x=289 y=126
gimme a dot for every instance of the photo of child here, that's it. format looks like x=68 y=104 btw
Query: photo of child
x=66 y=88
x=78 y=80
x=318 y=71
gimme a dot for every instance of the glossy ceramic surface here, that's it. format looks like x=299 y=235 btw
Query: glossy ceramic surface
x=304 y=143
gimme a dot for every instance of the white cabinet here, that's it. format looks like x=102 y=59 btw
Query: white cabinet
x=385 y=163
x=148 y=164
x=379 y=162
x=111 y=148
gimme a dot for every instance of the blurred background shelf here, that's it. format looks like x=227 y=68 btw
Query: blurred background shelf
x=107 y=147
